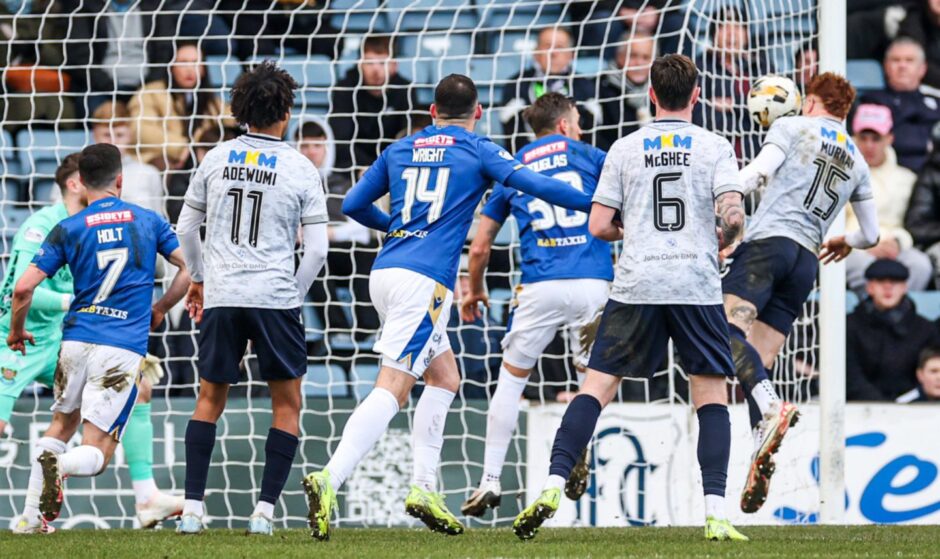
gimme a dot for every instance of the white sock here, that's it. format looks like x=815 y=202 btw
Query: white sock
x=143 y=490
x=555 y=481
x=31 y=510
x=428 y=435
x=363 y=429
x=501 y=421
x=81 y=461
x=192 y=506
x=764 y=395
x=715 y=506
x=266 y=509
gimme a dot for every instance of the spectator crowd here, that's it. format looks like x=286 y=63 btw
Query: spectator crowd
x=136 y=73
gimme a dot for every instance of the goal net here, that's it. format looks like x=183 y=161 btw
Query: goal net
x=65 y=61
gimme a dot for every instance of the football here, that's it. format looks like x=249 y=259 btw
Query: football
x=772 y=97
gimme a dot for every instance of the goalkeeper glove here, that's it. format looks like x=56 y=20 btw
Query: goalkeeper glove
x=150 y=369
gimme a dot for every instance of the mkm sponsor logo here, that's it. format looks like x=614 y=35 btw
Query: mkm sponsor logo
x=256 y=158
x=837 y=137
x=667 y=141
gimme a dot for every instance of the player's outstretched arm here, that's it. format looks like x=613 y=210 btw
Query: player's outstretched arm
x=553 y=191
x=43 y=299
x=22 y=299
x=867 y=236
x=178 y=288
x=730 y=208
x=758 y=172
x=602 y=224
x=316 y=244
x=359 y=203
x=479 y=260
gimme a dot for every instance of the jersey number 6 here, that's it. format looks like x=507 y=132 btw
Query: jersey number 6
x=668 y=212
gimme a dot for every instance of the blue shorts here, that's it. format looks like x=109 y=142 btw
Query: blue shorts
x=776 y=275
x=277 y=336
x=632 y=340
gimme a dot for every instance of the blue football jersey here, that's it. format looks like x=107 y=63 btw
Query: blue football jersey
x=111 y=247
x=435 y=179
x=554 y=241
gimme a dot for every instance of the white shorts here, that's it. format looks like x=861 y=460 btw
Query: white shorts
x=542 y=308
x=414 y=310
x=99 y=379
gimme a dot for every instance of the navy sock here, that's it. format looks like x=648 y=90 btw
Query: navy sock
x=748 y=367
x=200 y=440
x=714 y=447
x=279 y=451
x=577 y=428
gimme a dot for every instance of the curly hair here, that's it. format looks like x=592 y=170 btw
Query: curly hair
x=262 y=96
x=835 y=93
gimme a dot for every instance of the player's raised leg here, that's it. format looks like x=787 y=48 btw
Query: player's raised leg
x=363 y=429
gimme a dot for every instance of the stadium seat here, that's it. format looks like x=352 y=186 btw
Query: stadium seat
x=358 y=15
x=865 y=75
x=927 y=302
x=314 y=74
x=499 y=301
x=504 y=14
x=490 y=125
x=223 y=71
x=589 y=66
x=9 y=166
x=418 y=15
x=362 y=379
x=326 y=381
x=506 y=42
x=40 y=153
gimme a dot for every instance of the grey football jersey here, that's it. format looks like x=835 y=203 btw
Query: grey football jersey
x=664 y=179
x=822 y=172
x=256 y=192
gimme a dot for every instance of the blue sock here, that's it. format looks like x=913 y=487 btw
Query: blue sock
x=714 y=447
x=279 y=451
x=748 y=367
x=577 y=428
x=200 y=440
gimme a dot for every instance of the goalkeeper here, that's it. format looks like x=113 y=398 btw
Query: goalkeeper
x=50 y=304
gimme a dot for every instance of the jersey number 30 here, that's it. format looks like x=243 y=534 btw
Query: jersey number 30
x=549 y=215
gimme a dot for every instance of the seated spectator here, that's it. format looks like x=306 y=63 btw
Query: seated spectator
x=892 y=186
x=805 y=64
x=884 y=337
x=727 y=68
x=113 y=45
x=914 y=106
x=928 y=379
x=30 y=95
x=353 y=247
x=922 y=24
x=369 y=106
x=551 y=71
x=170 y=111
x=143 y=185
x=624 y=89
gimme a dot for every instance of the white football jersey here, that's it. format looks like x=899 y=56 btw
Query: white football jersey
x=256 y=192
x=664 y=179
x=822 y=172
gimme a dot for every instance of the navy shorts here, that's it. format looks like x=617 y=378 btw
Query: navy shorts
x=632 y=340
x=776 y=275
x=277 y=336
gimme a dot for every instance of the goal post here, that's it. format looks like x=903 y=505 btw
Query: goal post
x=832 y=36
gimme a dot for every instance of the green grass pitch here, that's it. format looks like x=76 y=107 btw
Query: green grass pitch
x=790 y=542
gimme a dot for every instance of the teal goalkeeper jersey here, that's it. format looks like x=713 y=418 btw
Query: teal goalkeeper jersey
x=48 y=308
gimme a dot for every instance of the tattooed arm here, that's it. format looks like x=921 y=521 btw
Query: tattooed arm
x=730 y=209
